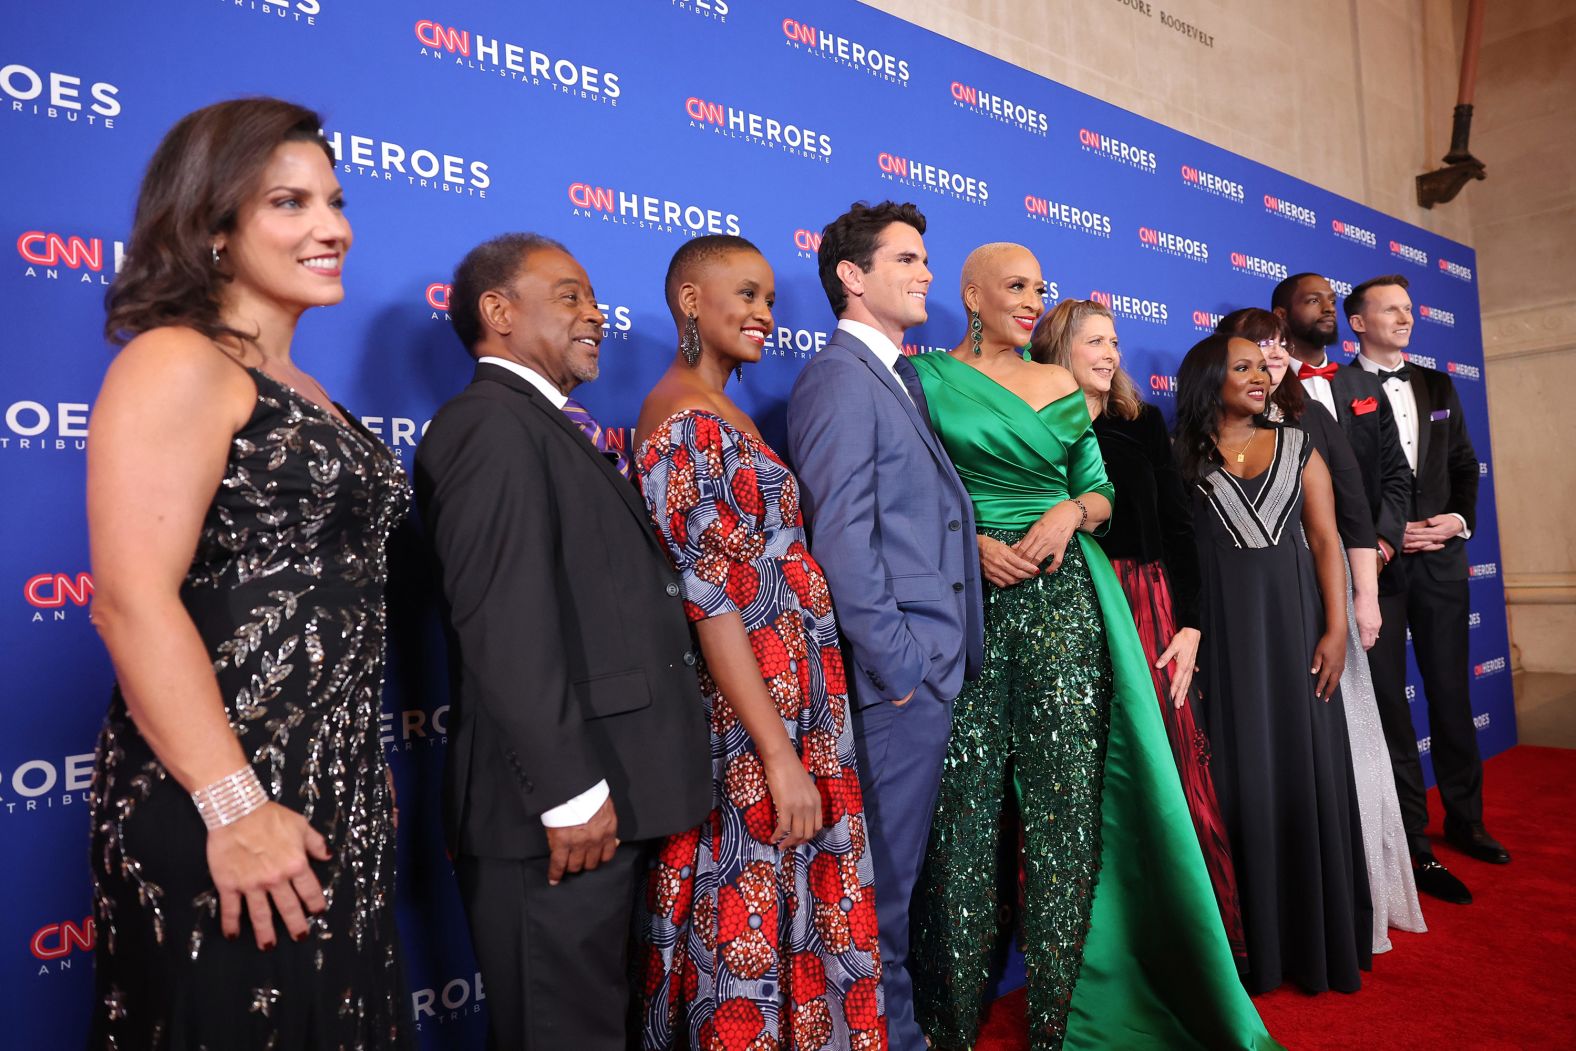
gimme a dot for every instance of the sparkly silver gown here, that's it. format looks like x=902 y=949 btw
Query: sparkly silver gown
x=286 y=589
x=1390 y=880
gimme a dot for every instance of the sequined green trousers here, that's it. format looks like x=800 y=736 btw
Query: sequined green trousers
x=1035 y=721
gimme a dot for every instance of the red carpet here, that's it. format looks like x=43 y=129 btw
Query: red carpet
x=1496 y=975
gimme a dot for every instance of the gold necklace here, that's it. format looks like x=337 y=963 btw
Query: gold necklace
x=1242 y=453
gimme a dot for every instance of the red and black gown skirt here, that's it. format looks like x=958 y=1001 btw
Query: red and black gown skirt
x=1149 y=595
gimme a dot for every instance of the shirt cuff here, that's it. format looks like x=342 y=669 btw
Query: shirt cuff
x=578 y=810
x=1465 y=534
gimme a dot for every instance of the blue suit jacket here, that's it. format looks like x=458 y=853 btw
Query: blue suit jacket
x=890 y=523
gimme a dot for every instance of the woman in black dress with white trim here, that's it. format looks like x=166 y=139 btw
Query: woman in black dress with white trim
x=1273 y=612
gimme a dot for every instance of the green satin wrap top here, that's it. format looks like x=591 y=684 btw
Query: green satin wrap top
x=1015 y=462
x=1157 y=973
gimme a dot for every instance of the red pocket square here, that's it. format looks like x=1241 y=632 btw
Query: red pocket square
x=1363 y=406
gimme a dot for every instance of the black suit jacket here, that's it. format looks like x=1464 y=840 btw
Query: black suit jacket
x=1447 y=471
x=1352 y=514
x=569 y=648
x=1387 y=480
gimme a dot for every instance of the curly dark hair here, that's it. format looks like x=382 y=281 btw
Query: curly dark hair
x=1257 y=325
x=200 y=175
x=854 y=236
x=490 y=266
x=1199 y=379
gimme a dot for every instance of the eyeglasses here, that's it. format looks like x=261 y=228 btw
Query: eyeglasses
x=1266 y=344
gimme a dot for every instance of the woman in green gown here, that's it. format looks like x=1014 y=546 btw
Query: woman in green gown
x=1121 y=937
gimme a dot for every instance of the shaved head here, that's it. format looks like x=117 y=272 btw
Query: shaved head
x=991 y=260
x=695 y=256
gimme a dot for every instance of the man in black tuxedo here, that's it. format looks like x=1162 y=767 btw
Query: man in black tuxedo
x=1307 y=303
x=1426 y=588
x=576 y=733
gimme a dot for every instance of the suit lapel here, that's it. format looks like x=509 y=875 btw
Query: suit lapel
x=856 y=346
x=1342 y=389
x=556 y=418
x=1425 y=408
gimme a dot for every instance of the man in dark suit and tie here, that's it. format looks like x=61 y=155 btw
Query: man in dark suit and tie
x=576 y=733
x=1426 y=589
x=893 y=527
x=1307 y=303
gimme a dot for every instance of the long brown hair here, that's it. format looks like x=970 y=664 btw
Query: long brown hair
x=1052 y=345
x=206 y=167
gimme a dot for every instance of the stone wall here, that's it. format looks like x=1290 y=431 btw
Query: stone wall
x=1346 y=94
x=1524 y=230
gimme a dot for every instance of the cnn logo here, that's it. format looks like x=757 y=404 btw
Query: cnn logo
x=54 y=940
x=55 y=590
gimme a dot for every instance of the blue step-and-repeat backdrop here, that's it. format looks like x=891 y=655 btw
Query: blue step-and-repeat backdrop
x=620 y=128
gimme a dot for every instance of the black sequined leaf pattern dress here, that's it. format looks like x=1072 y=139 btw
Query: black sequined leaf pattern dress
x=286 y=589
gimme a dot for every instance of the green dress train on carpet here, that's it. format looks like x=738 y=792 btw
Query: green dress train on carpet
x=1122 y=938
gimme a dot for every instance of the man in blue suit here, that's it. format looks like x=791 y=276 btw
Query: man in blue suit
x=892 y=526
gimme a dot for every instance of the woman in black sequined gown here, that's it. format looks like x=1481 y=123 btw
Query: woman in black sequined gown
x=238 y=520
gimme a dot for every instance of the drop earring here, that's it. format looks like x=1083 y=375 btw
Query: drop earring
x=689 y=340
x=738 y=372
x=976 y=327
x=215 y=250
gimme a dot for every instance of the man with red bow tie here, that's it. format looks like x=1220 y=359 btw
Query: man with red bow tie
x=1307 y=303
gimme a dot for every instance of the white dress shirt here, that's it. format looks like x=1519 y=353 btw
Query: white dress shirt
x=531 y=376
x=1403 y=402
x=582 y=807
x=882 y=347
x=1318 y=388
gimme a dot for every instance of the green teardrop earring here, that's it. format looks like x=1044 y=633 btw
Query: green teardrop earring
x=976 y=326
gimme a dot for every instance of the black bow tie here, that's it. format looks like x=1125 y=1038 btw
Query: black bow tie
x=1402 y=373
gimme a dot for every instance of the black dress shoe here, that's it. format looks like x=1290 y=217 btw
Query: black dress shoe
x=1435 y=880
x=1475 y=842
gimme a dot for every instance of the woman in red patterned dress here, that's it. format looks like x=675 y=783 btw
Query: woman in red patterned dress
x=759 y=929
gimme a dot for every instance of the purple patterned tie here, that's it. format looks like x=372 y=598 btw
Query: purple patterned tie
x=594 y=431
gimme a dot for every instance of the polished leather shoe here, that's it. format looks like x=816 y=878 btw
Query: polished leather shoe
x=1435 y=880
x=1475 y=842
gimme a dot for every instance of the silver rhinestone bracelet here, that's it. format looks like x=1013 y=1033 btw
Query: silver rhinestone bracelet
x=229 y=799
